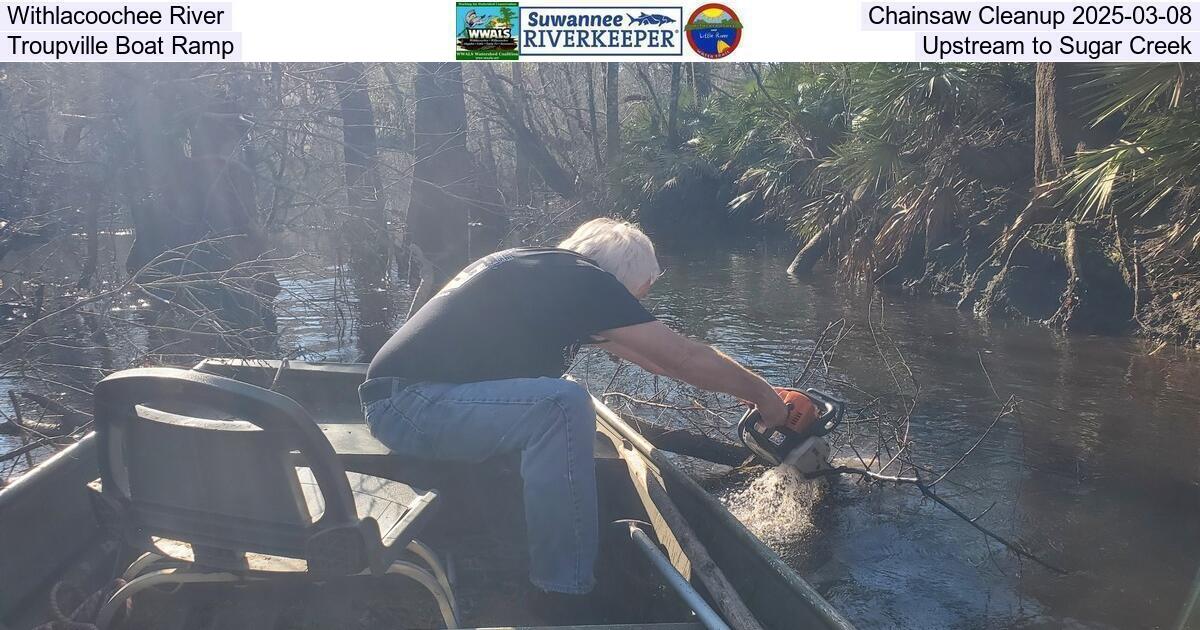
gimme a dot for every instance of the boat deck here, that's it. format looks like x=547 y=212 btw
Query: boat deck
x=482 y=534
x=479 y=527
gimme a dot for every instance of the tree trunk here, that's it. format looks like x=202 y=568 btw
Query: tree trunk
x=1097 y=298
x=673 y=108
x=443 y=175
x=92 y=232
x=1062 y=127
x=612 y=113
x=816 y=246
x=701 y=82
x=523 y=174
x=401 y=103
x=195 y=215
x=593 y=127
x=1058 y=130
x=657 y=114
x=1058 y=134
x=488 y=212
x=364 y=233
x=529 y=141
x=1078 y=287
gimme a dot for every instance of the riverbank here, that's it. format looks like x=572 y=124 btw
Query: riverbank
x=1052 y=193
x=1070 y=278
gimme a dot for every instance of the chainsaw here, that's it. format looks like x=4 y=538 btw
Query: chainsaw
x=800 y=442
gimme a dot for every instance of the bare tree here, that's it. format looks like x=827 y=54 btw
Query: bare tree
x=524 y=172
x=192 y=197
x=612 y=113
x=506 y=102
x=443 y=175
x=673 y=107
x=364 y=233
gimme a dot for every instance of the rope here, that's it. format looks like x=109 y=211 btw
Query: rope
x=84 y=613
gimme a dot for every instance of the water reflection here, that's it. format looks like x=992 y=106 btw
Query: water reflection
x=1100 y=471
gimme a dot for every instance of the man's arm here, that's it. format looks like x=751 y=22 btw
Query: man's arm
x=663 y=351
x=629 y=354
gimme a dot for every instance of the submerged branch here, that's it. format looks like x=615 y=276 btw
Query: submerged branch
x=925 y=489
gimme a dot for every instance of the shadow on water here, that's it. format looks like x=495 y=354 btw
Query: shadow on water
x=1099 y=472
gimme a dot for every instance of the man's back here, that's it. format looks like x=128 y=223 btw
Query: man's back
x=516 y=313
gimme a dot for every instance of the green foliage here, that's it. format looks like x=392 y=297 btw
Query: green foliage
x=907 y=147
x=1148 y=175
x=507 y=15
x=648 y=169
x=893 y=143
x=924 y=172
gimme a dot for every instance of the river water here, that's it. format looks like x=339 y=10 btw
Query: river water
x=1099 y=473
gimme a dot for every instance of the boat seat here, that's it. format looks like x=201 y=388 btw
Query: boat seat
x=200 y=473
x=354 y=440
x=388 y=502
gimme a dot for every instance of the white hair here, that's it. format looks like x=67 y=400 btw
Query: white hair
x=619 y=248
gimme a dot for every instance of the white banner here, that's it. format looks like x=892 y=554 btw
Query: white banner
x=549 y=30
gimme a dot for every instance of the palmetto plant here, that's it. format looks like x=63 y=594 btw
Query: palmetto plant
x=1145 y=185
x=908 y=158
x=780 y=128
x=923 y=174
x=1148 y=177
x=872 y=151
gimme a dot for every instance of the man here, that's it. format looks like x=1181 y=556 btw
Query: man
x=475 y=373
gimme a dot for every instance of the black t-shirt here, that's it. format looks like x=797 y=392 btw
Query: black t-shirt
x=517 y=313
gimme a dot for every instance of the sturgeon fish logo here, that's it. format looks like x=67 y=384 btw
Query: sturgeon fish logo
x=474 y=20
x=655 y=19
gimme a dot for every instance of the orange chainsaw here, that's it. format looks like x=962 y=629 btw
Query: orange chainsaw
x=812 y=414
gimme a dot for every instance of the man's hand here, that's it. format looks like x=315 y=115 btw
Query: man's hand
x=774 y=412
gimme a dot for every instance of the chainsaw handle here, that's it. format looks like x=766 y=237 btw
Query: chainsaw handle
x=766 y=444
x=752 y=438
x=833 y=412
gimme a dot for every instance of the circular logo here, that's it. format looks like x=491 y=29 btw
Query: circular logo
x=713 y=30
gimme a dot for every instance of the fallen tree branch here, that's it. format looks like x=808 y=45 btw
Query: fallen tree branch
x=684 y=442
x=817 y=349
x=1008 y=408
x=57 y=440
x=681 y=441
x=71 y=418
x=1015 y=547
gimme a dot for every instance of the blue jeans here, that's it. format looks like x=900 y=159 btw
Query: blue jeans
x=549 y=421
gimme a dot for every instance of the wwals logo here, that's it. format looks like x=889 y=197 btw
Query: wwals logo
x=487 y=30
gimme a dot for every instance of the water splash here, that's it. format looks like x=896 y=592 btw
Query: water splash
x=777 y=506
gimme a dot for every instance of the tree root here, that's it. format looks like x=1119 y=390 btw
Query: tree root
x=1097 y=298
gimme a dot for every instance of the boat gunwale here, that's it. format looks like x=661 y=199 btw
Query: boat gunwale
x=674 y=476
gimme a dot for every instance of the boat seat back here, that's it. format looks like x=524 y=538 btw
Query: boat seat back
x=210 y=460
